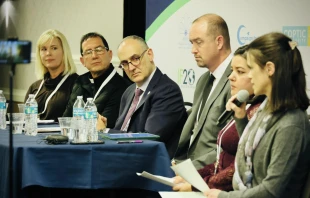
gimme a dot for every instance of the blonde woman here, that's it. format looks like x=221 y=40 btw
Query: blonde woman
x=56 y=72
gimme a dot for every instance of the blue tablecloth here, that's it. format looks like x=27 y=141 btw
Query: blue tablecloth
x=108 y=165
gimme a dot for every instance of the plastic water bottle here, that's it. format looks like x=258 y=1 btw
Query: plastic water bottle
x=91 y=120
x=78 y=120
x=31 y=116
x=2 y=110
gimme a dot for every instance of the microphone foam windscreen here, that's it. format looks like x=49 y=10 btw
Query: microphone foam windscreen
x=243 y=95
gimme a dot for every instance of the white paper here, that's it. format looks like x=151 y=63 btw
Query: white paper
x=188 y=172
x=39 y=121
x=48 y=129
x=164 y=180
x=45 y=121
x=181 y=195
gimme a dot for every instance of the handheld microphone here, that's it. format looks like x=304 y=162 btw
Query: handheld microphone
x=242 y=96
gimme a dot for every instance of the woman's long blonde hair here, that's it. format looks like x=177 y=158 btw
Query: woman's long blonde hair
x=67 y=56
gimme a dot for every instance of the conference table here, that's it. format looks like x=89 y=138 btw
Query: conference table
x=91 y=166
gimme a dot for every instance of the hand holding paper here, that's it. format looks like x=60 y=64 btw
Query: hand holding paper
x=187 y=170
x=164 y=180
x=181 y=185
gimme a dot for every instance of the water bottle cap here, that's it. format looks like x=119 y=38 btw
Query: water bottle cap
x=80 y=97
x=89 y=99
x=31 y=95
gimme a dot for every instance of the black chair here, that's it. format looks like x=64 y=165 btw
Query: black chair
x=306 y=191
x=188 y=106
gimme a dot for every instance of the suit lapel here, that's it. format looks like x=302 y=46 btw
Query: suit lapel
x=216 y=92
x=130 y=95
x=157 y=75
x=189 y=127
x=199 y=99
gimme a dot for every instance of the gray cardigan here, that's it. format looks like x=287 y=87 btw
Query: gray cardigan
x=281 y=161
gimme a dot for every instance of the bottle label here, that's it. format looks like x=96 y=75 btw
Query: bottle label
x=78 y=112
x=2 y=105
x=91 y=115
x=31 y=110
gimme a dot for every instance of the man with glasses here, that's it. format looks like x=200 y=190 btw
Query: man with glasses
x=102 y=82
x=154 y=104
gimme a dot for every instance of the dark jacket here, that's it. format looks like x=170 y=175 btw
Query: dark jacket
x=108 y=100
x=161 y=111
x=57 y=104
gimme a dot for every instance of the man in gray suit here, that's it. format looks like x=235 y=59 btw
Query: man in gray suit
x=210 y=40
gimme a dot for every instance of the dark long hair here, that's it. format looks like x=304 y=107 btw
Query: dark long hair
x=288 y=80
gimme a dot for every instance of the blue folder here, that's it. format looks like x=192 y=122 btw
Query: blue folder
x=129 y=136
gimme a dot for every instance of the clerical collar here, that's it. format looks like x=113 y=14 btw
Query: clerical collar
x=98 y=81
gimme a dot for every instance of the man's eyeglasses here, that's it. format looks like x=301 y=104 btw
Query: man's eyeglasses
x=98 y=50
x=134 y=60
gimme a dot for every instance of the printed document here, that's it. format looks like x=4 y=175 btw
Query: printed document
x=181 y=195
x=186 y=170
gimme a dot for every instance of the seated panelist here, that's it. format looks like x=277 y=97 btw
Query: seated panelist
x=154 y=103
x=211 y=49
x=219 y=174
x=57 y=73
x=102 y=82
x=272 y=158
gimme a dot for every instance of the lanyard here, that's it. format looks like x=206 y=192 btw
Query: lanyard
x=51 y=95
x=218 y=146
x=105 y=82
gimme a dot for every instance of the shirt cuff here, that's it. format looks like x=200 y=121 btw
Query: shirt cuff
x=106 y=130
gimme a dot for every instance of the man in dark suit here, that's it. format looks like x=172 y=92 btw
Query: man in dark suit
x=211 y=47
x=159 y=108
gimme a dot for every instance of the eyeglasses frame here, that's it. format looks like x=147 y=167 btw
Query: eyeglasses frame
x=95 y=50
x=130 y=62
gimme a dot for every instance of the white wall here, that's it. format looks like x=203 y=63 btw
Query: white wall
x=27 y=19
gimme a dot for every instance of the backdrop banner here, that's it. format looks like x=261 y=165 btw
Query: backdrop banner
x=168 y=23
